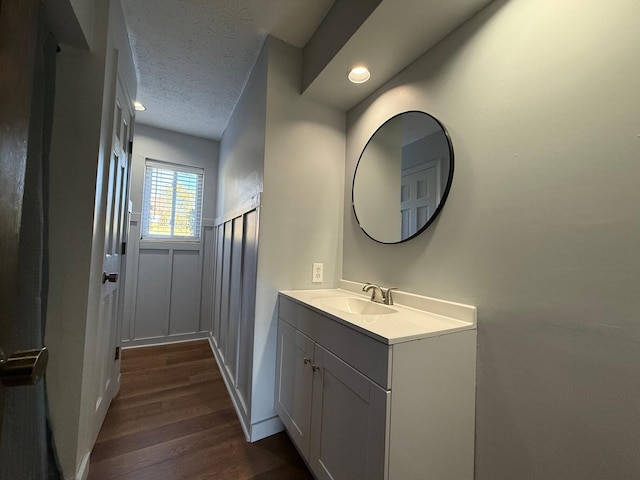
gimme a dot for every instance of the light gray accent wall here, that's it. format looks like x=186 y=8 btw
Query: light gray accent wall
x=301 y=209
x=540 y=231
x=293 y=147
x=241 y=168
x=167 y=292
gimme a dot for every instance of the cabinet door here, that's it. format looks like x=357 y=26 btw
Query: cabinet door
x=293 y=383
x=348 y=424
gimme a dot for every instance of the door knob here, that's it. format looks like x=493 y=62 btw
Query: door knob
x=109 y=277
x=23 y=368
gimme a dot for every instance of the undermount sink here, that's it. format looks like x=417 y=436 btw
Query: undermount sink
x=358 y=306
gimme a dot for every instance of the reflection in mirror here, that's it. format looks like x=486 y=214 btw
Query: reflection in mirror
x=403 y=177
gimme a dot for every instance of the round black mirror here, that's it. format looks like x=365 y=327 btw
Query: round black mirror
x=403 y=177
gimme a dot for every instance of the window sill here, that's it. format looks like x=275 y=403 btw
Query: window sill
x=170 y=244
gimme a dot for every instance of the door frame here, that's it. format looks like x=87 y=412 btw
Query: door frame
x=103 y=396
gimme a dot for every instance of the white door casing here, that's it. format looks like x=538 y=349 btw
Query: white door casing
x=110 y=317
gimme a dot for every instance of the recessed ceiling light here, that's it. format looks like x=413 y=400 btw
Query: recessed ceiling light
x=139 y=107
x=359 y=74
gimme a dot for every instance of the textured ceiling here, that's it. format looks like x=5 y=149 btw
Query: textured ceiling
x=193 y=57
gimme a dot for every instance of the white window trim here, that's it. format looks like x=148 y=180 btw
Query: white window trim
x=164 y=240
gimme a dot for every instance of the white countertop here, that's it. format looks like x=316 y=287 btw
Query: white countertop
x=405 y=324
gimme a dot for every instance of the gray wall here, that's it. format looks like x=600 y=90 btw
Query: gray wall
x=241 y=168
x=167 y=293
x=541 y=229
x=301 y=213
x=291 y=150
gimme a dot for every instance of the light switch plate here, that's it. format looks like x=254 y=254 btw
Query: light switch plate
x=317 y=275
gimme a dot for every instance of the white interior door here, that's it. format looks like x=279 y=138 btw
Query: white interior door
x=108 y=340
x=420 y=195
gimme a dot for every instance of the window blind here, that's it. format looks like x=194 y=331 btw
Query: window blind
x=172 y=201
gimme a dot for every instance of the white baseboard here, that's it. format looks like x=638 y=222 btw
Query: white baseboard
x=83 y=469
x=252 y=431
x=246 y=428
x=266 y=428
x=153 y=341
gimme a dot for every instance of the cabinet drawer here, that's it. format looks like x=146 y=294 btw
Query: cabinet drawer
x=367 y=355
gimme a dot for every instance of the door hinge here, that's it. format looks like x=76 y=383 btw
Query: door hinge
x=123 y=249
x=130 y=147
x=117 y=356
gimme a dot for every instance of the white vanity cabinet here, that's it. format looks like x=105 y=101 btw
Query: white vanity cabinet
x=334 y=414
x=294 y=384
x=358 y=407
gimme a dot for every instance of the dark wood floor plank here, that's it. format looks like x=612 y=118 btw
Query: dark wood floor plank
x=161 y=413
x=115 y=447
x=230 y=459
x=157 y=377
x=165 y=394
x=161 y=453
x=173 y=420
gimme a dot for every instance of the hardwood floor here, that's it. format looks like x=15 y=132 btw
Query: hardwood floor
x=173 y=419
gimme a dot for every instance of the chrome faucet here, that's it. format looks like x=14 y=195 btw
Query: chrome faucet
x=378 y=295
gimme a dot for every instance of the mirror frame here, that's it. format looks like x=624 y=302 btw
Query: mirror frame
x=445 y=192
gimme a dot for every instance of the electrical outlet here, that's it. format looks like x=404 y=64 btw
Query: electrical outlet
x=317 y=273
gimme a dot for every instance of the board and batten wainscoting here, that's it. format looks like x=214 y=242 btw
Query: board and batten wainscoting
x=168 y=283
x=207 y=289
x=234 y=300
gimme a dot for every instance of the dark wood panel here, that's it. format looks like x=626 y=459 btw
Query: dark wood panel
x=18 y=37
x=173 y=420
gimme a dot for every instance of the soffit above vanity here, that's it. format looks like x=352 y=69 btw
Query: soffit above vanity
x=395 y=34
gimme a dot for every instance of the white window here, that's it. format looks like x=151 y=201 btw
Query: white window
x=172 y=201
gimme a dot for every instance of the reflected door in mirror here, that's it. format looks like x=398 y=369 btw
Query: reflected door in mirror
x=403 y=177
x=420 y=195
